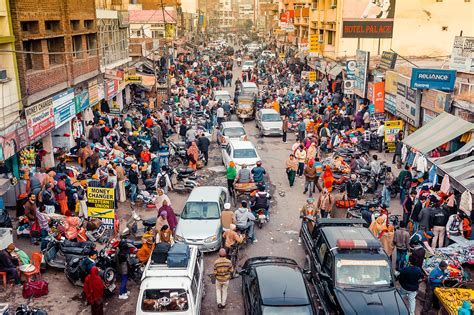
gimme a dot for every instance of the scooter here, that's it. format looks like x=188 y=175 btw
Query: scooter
x=133 y=228
x=58 y=252
x=260 y=217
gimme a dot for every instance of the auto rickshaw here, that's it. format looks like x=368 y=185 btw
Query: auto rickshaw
x=245 y=108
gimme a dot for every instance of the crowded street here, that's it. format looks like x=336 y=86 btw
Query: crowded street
x=235 y=168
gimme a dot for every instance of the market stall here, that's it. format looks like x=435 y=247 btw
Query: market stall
x=452 y=299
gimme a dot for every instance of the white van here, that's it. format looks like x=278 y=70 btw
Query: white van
x=249 y=88
x=172 y=291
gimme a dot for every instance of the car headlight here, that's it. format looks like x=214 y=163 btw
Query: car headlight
x=266 y=128
x=210 y=239
x=178 y=238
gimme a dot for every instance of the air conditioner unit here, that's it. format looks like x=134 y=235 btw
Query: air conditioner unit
x=3 y=75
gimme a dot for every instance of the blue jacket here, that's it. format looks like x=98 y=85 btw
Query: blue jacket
x=258 y=173
x=87 y=265
x=436 y=277
x=301 y=126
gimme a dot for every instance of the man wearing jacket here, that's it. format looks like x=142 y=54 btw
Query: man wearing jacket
x=310 y=176
x=435 y=279
x=245 y=220
x=133 y=178
x=353 y=188
x=438 y=220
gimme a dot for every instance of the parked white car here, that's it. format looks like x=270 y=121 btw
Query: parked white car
x=248 y=65
x=200 y=221
x=170 y=290
x=269 y=122
x=268 y=54
x=240 y=152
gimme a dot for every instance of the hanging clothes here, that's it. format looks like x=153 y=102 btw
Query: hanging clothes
x=445 y=185
x=404 y=153
x=420 y=163
x=465 y=203
x=433 y=177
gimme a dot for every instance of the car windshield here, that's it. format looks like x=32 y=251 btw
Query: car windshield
x=200 y=211
x=294 y=310
x=249 y=63
x=165 y=300
x=245 y=154
x=235 y=132
x=271 y=117
x=223 y=97
x=351 y=272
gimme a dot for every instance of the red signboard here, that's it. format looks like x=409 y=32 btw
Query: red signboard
x=40 y=119
x=378 y=97
x=287 y=16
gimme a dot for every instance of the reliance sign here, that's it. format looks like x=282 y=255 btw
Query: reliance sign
x=433 y=79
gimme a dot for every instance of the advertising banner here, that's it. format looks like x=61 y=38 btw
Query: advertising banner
x=391 y=79
x=433 y=79
x=350 y=69
x=388 y=60
x=391 y=129
x=407 y=107
x=390 y=104
x=81 y=101
x=436 y=101
x=13 y=139
x=288 y=16
x=462 y=56
x=312 y=76
x=93 y=92
x=39 y=119
x=362 y=66
x=368 y=18
x=64 y=107
x=314 y=43
x=111 y=89
x=100 y=203
x=378 y=96
x=100 y=91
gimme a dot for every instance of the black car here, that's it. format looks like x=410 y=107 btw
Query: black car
x=349 y=268
x=275 y=285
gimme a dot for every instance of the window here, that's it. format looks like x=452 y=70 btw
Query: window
x=33 y=61
x=330 y=38
x=153 y=300
x=75 y=25
x=156 y=34
x=56 y=45
x=138 y=33
x=77 y=46
x=30 y=26
x=52 y=26
x=89 y=24
x=91 y=44
x=200 y=211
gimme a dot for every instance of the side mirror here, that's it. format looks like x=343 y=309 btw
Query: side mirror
x=242 y=272
x=307 y=271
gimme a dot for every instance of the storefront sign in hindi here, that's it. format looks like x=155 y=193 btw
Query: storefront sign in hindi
x=362 y=66
x=433 y=79
x=462 y=56
x=64 y=107
x=39 y=119
x=436 y=101
x=100 y=203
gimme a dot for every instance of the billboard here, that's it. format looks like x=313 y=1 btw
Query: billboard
x=407 y=100
x=388 y=60
x=436 y=101
x=462 y=57
x=64 y=107
x=376 y=93
x=360 y=73
x=350 y=69
x=368 y=18
x=433 y=79
x=100 y=203
x=40 y=119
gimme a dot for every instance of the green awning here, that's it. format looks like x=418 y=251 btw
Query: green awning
x=444 y=128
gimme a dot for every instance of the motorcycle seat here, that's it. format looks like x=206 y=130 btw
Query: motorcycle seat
x=68 y=243
x=80 y=251
x=185 y=171
x=364 y=171
x=149 y=222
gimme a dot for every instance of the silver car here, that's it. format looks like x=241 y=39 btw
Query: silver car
x=200 y=221
x=269 y=122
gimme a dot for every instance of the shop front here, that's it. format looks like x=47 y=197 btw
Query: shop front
x=408 y=104
x=433 y=103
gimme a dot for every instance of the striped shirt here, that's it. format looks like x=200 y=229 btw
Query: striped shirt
x=223 y=269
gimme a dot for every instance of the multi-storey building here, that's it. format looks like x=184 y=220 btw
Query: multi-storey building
x=58 y=61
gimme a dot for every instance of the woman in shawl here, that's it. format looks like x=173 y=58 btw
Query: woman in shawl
x=193 y=154
x=166 y=235
x=311 y=152
x=386 y=238
x=170 y=216
x=377 y=227
x=291 y=168
x=94 y=291
x=328 y=179
x=161 y=221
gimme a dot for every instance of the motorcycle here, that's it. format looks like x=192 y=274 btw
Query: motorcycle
x=58 y=253
x=133 y=225
x=260 y=217
x=24 y=309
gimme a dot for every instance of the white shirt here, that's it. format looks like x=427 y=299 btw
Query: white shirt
x=380 y=131
x=220 y=112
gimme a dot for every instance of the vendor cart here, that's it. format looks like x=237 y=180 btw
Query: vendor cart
x=243 y=189
x=451 y=299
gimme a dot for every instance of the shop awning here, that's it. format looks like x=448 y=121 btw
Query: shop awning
x=444 y=128
x=465 y=150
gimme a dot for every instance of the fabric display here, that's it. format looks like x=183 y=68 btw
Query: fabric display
x=455 y=270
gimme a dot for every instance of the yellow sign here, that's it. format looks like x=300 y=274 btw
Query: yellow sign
x=100 y=204
x=312 y=76
x=314 y=43
x=391 y=129
x=282 y=56
x=134 y=79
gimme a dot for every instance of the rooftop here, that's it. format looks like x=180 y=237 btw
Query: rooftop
x=152 y=16
x=334 y=233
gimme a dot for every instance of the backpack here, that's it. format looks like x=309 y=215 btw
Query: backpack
x=162 y=181
x=35 y=289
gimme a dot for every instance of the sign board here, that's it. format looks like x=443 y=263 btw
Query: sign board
x=287 y=16
x=390 y=103
x=391 y=129
x=368 y=19
x=433 y=79
x=134 y=79
x=462 y=56
x=349 y=87
x=360 y=73
x=113 y=74
x=388 y=60
x=64 y=107
x=111 y=89
x=13 y=139
x=376 y=93
x=100 y=204
x=93 y=88
x=436 y=101
x=39 y=119
x=350 y=69
x=407 y=104
x=314 y=43
x=312 y=76
x=282 y=56
x=81 y=101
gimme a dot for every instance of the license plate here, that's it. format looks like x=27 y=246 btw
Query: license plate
x=262 y=216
